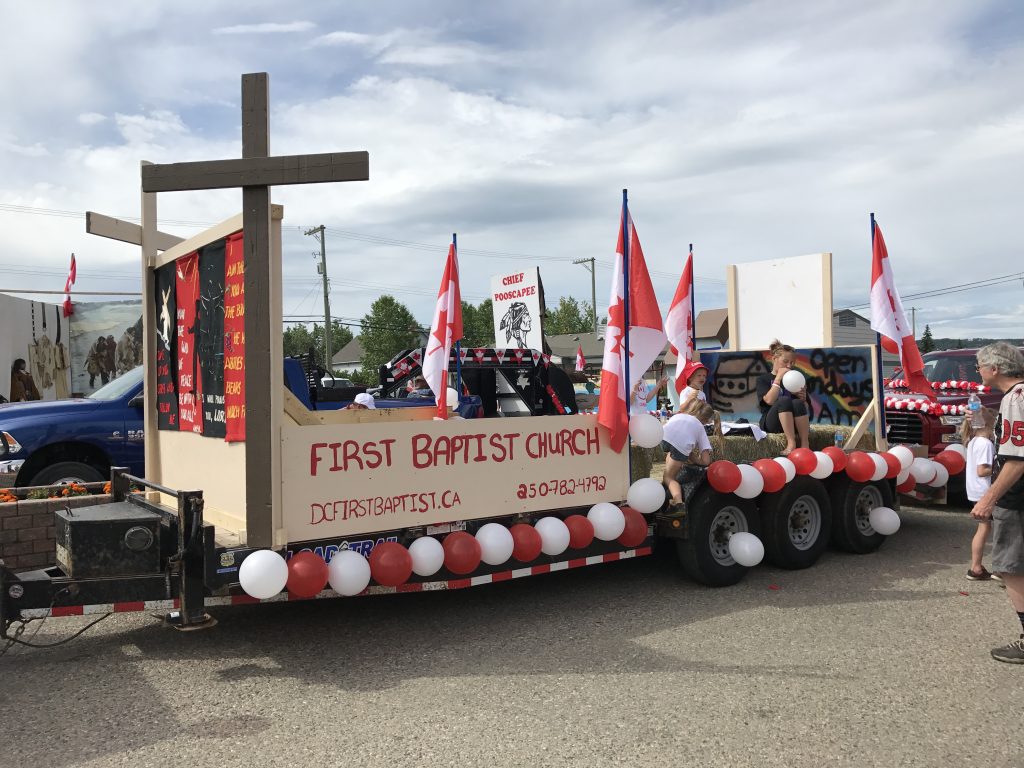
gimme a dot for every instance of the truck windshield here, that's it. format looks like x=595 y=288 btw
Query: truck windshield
x=119 y=387
x=959 y=368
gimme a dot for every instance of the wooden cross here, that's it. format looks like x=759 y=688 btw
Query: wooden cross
x=255 y=172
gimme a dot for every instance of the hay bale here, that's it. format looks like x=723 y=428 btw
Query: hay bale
x=745 y=449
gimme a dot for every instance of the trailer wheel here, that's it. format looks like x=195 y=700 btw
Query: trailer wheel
x=851 y=504
x=704 y=554
x=797 y=522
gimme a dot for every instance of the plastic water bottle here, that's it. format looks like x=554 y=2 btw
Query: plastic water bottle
x=974 y=411
x=839 y=438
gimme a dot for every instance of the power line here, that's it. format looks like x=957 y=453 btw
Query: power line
x=958 y=288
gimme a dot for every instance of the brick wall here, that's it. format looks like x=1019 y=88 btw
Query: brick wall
x=27 y=529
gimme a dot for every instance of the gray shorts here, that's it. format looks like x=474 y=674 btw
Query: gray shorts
x=1007 y=540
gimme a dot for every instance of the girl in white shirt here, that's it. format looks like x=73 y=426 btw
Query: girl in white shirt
x=694 y=374
x=981 y=451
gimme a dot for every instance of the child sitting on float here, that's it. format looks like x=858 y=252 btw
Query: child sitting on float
x=694 y=374
x=781 y=411
x=686 y=446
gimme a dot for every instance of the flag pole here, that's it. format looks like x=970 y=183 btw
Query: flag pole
x=625 y=296
x=458 y=344
x=693 y=308
x=879 y=386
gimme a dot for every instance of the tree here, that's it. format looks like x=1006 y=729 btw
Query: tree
x=927 y=342
x=478 y=324
x=298 y=340
x=387 y=329
x=570 y=316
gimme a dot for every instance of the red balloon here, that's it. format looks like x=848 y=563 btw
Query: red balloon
x=890 y=346
x=635 y=532
x=724 y=476
x=773 y=473
x=838 y=456
x=461 y=552
x=907 y=485
x=307 y=574
x=526 y=547
x=804 y=460
x=860 y=467
x=390 y=564
x=953 y=462
x=581 y=532
x=893 y=466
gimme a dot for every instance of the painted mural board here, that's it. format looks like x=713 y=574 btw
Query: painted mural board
x=518 y=303
x=839 y=382
x=340 y=480
x=37 y=333
x=106 y=342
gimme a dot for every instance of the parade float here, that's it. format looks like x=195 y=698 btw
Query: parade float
x=249 y=496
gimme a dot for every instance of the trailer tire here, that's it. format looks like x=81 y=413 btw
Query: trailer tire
x=797 y=523
x=704 y=554
x=851 y=504
x=64 y=472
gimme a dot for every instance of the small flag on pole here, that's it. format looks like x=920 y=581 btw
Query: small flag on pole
x=445 y=330
x=679 y=323
x=580 y=360
x=72 y=276
x=889 y=319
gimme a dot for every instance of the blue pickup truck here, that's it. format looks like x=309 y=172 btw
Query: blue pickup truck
x=51 y=442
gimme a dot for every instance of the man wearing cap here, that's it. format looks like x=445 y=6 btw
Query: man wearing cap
x=362 y=402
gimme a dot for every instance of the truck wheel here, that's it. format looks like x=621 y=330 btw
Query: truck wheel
x=704 y=554
x=797 y=522
x=64 y=472
x=851 y=504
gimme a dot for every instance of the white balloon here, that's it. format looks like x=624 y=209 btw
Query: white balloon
x=880 y=466
x=452 y=398
x=608 y=521
x=901 y=478
x=496 y=543
x=794 y=381
x=884 y=520
x=263 y=574
x=957 y=448
x=554 y=534
x=824 y=467
x=904 y=454
x=348 y=573
x=427 y=555
x=923 y=470
x=646 y=495
x=941 y=476
x=746 y=549
x=787 y=465
x=751 y=482
x=646 y=431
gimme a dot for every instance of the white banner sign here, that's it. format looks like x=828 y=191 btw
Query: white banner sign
x=516 y=301
x=348 y=479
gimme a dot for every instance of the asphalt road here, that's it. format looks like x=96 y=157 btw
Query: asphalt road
x=860 y=661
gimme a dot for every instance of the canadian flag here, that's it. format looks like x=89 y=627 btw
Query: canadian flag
x=646 y=335
x=889 y=319
x=679 y=323
x=72 y=275
x=580 y=360
x=445 y=330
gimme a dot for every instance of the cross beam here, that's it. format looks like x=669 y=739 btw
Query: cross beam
x=125 y=231
x=257 y=172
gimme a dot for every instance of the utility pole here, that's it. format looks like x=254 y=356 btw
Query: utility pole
x=318 y=233
x=589 y=265
x=913 y=322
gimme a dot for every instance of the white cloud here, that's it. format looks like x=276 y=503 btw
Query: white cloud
x=91 y=118
x=25 y=150
x=268 y=28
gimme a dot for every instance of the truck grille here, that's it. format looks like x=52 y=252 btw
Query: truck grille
x=904 y=427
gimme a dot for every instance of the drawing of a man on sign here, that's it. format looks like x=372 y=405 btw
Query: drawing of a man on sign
x=516 y=324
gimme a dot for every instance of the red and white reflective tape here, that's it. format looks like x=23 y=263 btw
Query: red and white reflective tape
x=421 y=586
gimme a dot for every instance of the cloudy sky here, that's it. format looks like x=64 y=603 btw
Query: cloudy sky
x=754 y=130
